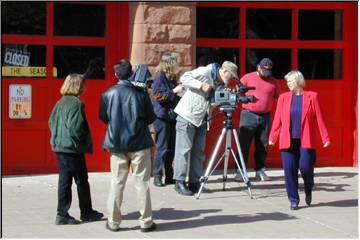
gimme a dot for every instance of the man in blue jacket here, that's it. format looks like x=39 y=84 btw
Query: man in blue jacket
x=127 y=110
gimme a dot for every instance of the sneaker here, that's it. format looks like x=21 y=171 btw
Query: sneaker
x=92 y=216
x=68 y=220
x=149 y=229
x=261 y=175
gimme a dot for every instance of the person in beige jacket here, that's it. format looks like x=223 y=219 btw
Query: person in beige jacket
x=192 y=111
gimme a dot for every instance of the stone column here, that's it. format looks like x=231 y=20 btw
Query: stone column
x=159 y=27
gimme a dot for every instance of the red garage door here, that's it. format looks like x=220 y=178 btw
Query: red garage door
x=42 y=43
x=319 y=39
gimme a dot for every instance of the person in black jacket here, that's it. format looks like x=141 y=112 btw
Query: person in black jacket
x=127 y=111
x=70 y=139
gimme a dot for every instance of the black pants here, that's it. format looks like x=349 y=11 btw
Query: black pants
x=165 y=147
x=72 y=165
x=254 y=126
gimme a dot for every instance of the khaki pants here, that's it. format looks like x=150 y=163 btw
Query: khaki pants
x=141 y=165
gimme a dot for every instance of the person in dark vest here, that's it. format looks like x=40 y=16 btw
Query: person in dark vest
x=70 y=140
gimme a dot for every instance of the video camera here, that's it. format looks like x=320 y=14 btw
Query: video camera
x=227 y=98
x=140 y=77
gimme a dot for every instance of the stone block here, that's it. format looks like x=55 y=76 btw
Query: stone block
x=181 y=34
x=172 y=14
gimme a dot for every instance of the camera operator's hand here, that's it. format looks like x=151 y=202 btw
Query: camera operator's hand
x=206 y=88
x=179 y=88
x=271 y=143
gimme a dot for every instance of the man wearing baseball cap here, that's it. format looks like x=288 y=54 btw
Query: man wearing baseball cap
x=255 y=116
x=192 y=110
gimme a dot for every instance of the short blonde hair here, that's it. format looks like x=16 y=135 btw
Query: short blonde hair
x=167 y=63
x=297 y=75
x=74 y=84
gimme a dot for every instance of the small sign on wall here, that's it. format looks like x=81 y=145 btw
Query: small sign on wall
x=20 y=101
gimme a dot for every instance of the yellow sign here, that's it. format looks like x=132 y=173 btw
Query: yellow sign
x=15 y=71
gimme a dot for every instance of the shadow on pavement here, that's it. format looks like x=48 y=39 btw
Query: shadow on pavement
x=341 y=203
x=222 y=220
x=172 y=214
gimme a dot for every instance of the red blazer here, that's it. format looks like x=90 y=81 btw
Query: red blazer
x=311 y=117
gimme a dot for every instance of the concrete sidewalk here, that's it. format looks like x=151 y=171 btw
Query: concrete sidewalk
x=29 y=208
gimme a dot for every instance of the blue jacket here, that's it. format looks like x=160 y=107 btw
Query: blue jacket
x=163 y=96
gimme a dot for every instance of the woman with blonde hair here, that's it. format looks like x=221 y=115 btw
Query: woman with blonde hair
x=70 y=140
x=297 y=114
x=165 y=90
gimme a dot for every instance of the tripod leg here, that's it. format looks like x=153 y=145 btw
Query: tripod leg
x=241 y=169
x=226 y=156
x=204 y=178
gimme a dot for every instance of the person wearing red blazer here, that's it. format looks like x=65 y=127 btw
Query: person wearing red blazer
x=297 y=114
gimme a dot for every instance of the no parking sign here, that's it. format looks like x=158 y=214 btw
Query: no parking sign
x=20 y=101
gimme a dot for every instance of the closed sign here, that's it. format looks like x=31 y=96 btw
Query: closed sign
x=19 y=101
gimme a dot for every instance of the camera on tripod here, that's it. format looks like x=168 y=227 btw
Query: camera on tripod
x=225 y=97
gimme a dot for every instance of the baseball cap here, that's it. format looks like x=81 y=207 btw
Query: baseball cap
x=266 y=65
x=231 y=67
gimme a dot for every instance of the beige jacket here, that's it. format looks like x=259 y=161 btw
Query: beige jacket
x=194 y=104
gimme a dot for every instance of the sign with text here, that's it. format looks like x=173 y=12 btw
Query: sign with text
x=16 y=57
x=20 y=101
x=14 y=71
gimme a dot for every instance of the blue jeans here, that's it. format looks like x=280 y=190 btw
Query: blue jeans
x=165 y=147
x=254 y=126
x=293 y=159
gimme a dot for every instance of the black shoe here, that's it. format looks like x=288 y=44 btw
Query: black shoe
x=169 y=181
x=182 y=189
x=149 y=229
x=293 y=206
x=308 y=199
x=110 y=228
x=68 y=220
x=194 y=187
x=158 y=181
x=91 y=216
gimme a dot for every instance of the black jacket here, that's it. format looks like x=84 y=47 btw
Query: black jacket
x=127 y=111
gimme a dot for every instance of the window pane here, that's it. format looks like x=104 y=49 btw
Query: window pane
x=268 y=24
x=320 y=24
x=280 y=57
x=23 y=60
x=217 y=22
x=23 y=18
x=79 y=20
x=321 y=64
x=207 y=55
x=84 y=60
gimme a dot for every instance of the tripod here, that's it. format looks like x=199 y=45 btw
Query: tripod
x=227 y=129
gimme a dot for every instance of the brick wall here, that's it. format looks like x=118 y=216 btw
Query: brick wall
x=156 y=28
